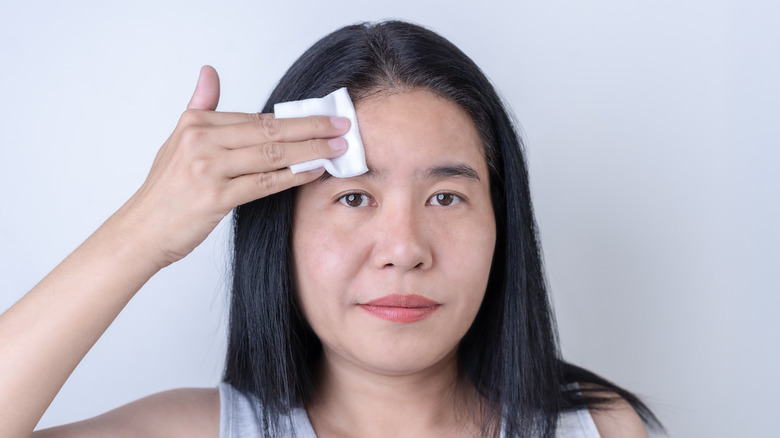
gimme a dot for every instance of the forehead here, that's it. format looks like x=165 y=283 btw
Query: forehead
x=416 y=130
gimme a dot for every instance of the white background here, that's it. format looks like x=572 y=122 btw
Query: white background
x=651 y=130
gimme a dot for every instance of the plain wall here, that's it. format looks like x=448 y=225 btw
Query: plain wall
x=652 y=135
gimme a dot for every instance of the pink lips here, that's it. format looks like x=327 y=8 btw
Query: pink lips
x=401 y=308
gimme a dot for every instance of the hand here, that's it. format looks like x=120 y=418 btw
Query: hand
x=214 y=161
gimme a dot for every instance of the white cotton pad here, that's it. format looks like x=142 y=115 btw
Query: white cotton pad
x=350 y=163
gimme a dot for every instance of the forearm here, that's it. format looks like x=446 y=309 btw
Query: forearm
x=45 y=335
x=210 y=163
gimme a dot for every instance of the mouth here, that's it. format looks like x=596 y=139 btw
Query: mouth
x=403 y=309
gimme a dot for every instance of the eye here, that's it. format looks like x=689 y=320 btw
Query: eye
x=445 y=199
x=355 y=200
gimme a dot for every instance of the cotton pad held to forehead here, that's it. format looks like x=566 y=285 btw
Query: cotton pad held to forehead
x=350 y=163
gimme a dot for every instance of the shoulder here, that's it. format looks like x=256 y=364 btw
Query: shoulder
x=616 y=418
x=186 y=412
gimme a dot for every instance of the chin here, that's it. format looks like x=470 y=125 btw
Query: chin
x=406 y=360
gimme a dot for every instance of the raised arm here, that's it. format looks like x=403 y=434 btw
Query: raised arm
x=212 y=162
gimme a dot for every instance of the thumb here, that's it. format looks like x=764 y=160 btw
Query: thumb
x=206 y=95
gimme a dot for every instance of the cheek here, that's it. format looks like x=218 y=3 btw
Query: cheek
x=325 y=258
x=471 y=259
x=316 y=252
x=467 y=247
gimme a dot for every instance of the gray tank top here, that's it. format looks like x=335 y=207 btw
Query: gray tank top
x=237 y=420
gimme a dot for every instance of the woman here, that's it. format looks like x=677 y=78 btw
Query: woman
x=409 y=301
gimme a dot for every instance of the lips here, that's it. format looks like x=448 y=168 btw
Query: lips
x=401 y=308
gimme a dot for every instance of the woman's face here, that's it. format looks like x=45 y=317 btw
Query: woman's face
x=391 y=266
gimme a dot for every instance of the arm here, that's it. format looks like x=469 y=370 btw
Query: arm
x=189 y=412
x=617 y=418
x=47 y=333
x=211 y=163
x=620 y=421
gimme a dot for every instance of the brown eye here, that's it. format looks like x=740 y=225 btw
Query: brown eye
x=445 y=199
x=354 y=199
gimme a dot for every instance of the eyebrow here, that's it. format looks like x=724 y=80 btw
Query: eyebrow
x=457 y=170
x=460 y=170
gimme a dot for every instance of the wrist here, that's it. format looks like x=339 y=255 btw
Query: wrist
x=127 y=239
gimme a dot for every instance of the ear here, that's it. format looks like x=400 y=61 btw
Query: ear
x=206 y=95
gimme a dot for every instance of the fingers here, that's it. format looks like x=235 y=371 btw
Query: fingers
x=253 y=128
x=206 y=95
x=266 y=129
x=247 y=188
x=211 y=118
x=250 y=151
x=273 y=156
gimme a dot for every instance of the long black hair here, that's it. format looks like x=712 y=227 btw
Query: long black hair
x=510 y=355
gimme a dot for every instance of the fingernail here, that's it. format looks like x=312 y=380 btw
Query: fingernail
x=339 y=122
x=337 y=144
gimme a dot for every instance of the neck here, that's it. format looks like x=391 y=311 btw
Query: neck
x=352 y=401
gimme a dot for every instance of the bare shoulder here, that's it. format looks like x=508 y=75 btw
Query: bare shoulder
x=617 y=419
x=186 y=412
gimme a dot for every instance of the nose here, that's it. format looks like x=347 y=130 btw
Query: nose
x=401 y=240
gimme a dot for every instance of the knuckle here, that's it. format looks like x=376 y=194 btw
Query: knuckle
x=192 y=135
x=273 y=153
x=271 y=128
x=317 y=123
x=315 y=146
x=213 y=197
x=191 y=117
x=256 y=117
x=265 y=181
x=200 y=167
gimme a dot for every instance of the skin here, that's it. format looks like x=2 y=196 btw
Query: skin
x=401 y=239
x=212 y=162
x=404 y=243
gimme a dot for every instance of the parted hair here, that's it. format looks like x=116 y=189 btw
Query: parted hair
x=510 y=354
